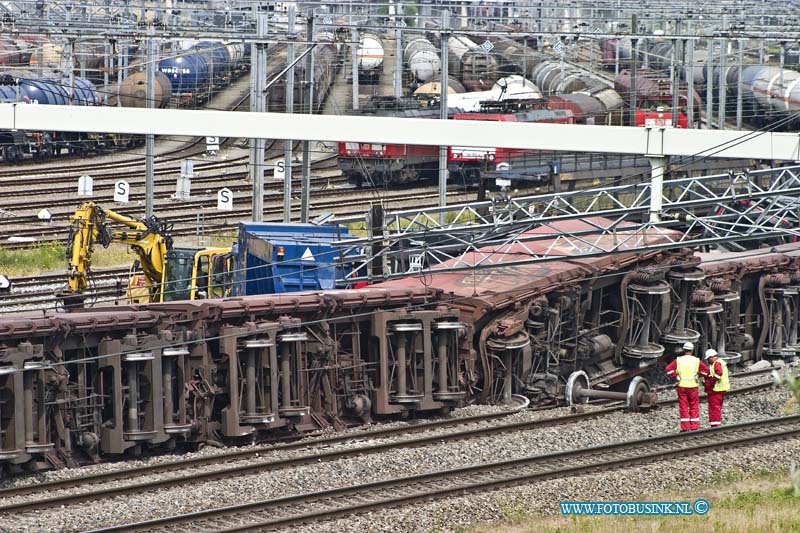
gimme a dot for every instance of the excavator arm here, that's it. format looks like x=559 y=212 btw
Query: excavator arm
x=91 y=225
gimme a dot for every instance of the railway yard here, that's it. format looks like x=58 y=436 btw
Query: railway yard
x=398 y=267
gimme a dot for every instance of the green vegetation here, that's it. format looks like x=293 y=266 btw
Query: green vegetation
x=738 y=504
x=32 y=261
x=409 y=11
x=792 y=381
x=50 y=258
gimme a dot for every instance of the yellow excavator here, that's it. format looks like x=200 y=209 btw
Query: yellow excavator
x=168 y=273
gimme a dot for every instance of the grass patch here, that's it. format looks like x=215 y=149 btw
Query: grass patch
x=51 y=258
x=48 y=258
x=762 y=502
x=35 y=260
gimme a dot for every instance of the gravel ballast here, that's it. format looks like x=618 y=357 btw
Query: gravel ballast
x=403 y=462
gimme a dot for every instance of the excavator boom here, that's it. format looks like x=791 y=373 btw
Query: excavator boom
x=169 y=273
x=91 y=225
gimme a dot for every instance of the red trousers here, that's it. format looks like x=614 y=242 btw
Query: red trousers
x=715 y=408
x=689 y=405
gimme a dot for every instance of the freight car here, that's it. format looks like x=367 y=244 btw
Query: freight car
x=14 y=52
x=327 y=61
x=769 y=94
x=370 y=57
x=14 y=145
x=106 y=383
x=596 y=105
x=477 y=69
x=654 y=91
x=554 y=78
x=615 y=54
x=422 y=60
x=206 y=66
x=133 y=90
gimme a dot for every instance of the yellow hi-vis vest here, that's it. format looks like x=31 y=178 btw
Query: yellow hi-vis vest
x=687 y=368
x=723 y=383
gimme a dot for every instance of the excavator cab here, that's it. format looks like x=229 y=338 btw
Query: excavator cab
x=162 y=273
x=196 y=274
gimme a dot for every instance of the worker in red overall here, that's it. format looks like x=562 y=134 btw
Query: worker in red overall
x=717 y=384
x=685 y=368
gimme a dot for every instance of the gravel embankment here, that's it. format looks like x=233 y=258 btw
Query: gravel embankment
x=635 y=483
x=404 y=462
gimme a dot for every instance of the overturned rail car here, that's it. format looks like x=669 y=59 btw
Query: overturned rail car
x=100 y=383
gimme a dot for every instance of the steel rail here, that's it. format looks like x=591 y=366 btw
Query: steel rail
x=238 y=455
x=343 y=501
x=264 y=466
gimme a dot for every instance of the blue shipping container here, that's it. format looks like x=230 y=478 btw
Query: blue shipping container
x=276 y=258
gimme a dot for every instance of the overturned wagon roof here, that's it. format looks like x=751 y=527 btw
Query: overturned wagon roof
x=715 y=263
x=505 y=282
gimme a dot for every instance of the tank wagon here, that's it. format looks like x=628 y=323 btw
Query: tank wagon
x=202 y=68
x=475 y=67
x=133 y=90
x=770 y=93
x=422 y=60
x=14 y=145
x=370 y=57
x=553 y=78
x=608 y=53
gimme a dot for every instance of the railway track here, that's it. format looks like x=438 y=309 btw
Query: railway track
x=165 y=189
x=41 y=496
x=59 y=184
x=230 y=457
x=28 y=290
x=44 y=279
x=334 y=503
x=34 y=170
x=344 y=201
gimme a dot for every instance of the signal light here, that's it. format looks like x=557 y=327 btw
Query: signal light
x=281 y=252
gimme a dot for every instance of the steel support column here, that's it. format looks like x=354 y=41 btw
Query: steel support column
x=287 y=153
x=150 y=148
x=656 y=186
x=445 y=35
x=308 y=105
x=258 y=104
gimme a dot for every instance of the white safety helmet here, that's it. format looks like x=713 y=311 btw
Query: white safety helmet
x=688 y=346
x=711 y=352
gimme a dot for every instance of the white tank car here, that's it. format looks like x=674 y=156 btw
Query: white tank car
x=457 y=46
x=370 y=53
x=422 y=59
x=235 y=53
x=508 y=88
